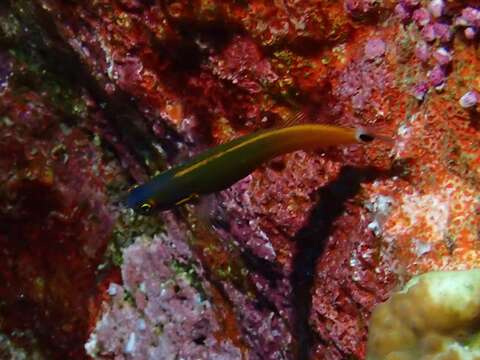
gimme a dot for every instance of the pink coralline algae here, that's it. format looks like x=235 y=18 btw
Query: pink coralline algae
x=267 y=191
x=420 y=90
x=402 y=12
x=429 y=33
x=422 y=51
x=469 y=17
x=436 y=8
x=360 y=8
x=437 y=75
x=443 y=32
x=409 y=3
x=161 y=311
x=362 y=78
x=438 y=24
x=5 y=70
x=470 y=33
x=442 y=56
x=435 y=25
x=375 y=48
x=289 y=262
x=421 y=17
x=235 y=65
x=470 y=21
x=405 y=9
x=264 y=330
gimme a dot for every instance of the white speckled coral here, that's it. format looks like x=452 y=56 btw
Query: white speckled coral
x=158 y=313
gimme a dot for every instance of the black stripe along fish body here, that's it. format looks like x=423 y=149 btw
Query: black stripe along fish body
x=221 y=166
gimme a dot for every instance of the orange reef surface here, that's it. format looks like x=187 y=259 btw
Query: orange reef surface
x=288 y=263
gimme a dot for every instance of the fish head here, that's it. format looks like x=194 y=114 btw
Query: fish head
x=365 y=136
x=139 y=200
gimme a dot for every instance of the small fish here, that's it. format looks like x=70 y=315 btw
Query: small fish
x=223 y=165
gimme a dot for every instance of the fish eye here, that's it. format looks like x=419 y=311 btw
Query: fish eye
x=366 y=137
x=145 y=209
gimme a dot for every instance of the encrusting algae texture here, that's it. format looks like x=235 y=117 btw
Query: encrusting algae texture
x=98 y=96
x=434 y=317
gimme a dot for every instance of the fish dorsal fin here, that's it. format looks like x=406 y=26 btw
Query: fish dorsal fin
x=295 y=118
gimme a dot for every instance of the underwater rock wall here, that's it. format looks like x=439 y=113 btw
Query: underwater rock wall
x=289 y=262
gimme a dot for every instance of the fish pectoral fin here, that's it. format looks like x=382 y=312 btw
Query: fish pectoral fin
x=189 y=198
x=295 y=118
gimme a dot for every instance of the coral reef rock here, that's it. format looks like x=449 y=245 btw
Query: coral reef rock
x=99 y=95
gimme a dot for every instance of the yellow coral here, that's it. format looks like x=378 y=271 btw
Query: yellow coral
x=435 y=317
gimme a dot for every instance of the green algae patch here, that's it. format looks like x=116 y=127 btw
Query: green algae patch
x=128 y=227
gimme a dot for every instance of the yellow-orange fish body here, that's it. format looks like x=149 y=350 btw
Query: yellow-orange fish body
x=223 y=165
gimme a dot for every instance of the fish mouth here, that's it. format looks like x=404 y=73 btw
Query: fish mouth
x=366 y=136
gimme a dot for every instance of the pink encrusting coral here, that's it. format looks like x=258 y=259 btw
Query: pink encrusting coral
x=267 y=192
x=54 y=181
x=374 y=49
x=432 y=224
x=235 y=65
x=290 y=261
x=275 y=341
x=359 y=8
x=162 y=311
x=437 y=23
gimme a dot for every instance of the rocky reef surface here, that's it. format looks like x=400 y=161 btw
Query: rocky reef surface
x=99 y=95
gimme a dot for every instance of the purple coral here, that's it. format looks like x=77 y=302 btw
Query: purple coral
x=469 y=17
x=422 y=51
x=428 y=33
x=166 y=317
x=469 y=99
x=443 y=32
x=437 y=76
x=436 y=8
x=434 y=31
x=470 y=33
x=420 y=90
x=264 y=331
x=374 y=48
x=5 y=70
x=359 y=7
x=402 y=12
x=421 y=17
x=410 y=3
x=442 y=56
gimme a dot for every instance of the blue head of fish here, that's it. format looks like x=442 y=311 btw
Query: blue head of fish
x=139 y=199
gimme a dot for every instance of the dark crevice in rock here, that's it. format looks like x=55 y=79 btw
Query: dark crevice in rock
x=216 y=33
x=119 y=109
x=311 y=242
x=267 y=269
